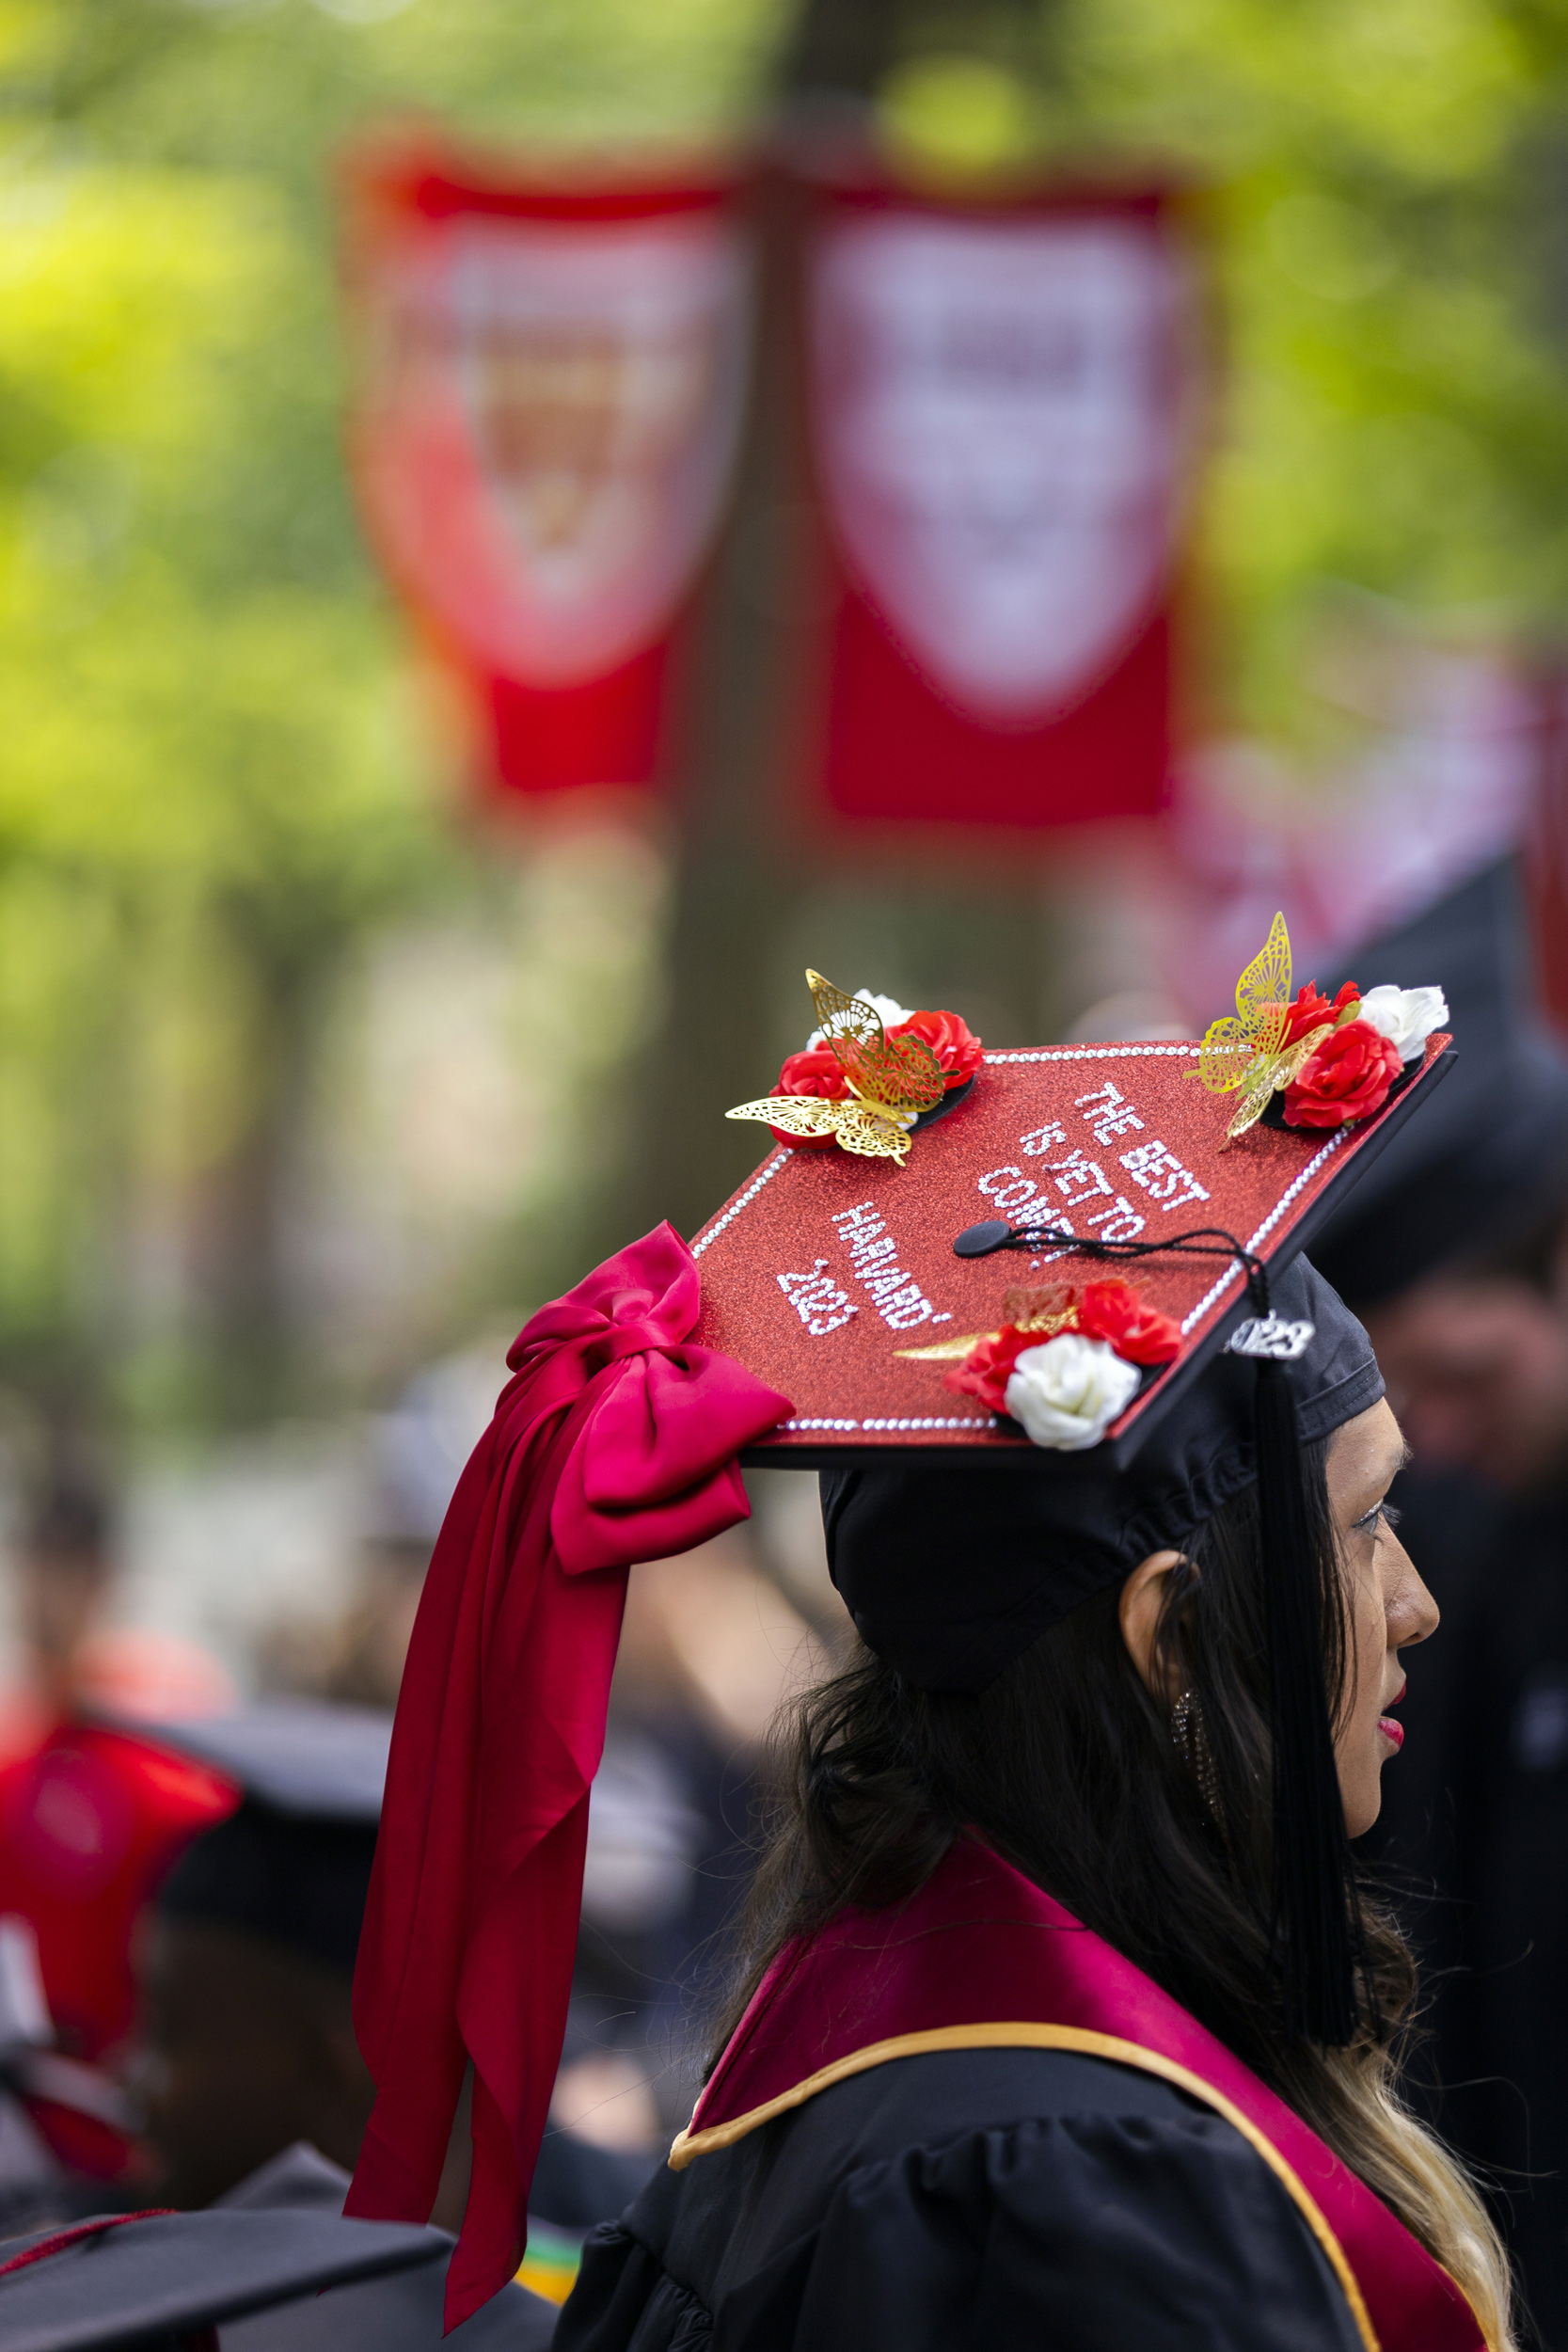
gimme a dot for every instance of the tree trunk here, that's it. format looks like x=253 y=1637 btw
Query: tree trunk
x=746 y=919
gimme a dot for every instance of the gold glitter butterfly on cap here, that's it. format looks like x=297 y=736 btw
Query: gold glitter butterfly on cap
x=1252 y=1049
x=890 y=1082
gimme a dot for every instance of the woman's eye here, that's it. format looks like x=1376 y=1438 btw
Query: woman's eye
x=1381 y=1513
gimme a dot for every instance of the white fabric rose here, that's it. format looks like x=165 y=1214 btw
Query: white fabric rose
x=1067 y=1392
x=1406 y=1016
x=888 y=1010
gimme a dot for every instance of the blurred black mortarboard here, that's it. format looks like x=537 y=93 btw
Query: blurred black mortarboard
x=293 y=1865
x=1489 y=1160
x=158 y=2281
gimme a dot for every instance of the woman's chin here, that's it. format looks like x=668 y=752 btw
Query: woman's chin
x=1365 y=1801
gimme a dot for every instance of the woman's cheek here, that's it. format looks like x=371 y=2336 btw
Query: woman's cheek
x=1357 y=1749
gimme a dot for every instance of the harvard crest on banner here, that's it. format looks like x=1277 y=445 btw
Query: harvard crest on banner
x=1003 y=406
x=550 y=391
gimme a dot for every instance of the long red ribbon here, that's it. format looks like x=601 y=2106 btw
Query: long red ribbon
x=614 y=1442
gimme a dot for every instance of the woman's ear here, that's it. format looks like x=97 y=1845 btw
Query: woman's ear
x=1143 y=1601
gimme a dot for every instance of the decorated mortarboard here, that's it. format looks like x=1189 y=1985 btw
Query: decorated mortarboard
x=903 y=1285
x=1082 y=1262
x=1155 y=1200
x=293 y=1864
x=161 y=2280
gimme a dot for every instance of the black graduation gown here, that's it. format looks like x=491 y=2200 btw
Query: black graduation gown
x=1474 y=1834
x=980 y=2198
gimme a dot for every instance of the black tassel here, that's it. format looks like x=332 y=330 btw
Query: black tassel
x=1317 y=1919
x=1313 y=1882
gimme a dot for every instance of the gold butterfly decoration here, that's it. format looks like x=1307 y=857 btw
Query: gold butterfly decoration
x=1040 y=1312
x=1246 y=1050
x=891 y=1081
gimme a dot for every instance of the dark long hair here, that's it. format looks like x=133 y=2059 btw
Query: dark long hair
x=1155 y=1833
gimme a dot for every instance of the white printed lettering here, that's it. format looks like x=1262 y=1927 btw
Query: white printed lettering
x=1119 y=1124
x=1120 y=1222
x=905 y=1318
x=1079 y=1179
x=874 y=1255
x=1009 y=1187
x=1041 y=1139
x=1161 y=1175
x=863 y=1215
x=1115 y=1117
x=821 y=1305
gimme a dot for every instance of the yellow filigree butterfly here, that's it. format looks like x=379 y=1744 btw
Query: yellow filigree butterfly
x=891 y=1080
x=1247 y=1049
x=1041 y=1314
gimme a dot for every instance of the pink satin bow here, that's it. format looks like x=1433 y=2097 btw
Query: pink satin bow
x=615 y=1442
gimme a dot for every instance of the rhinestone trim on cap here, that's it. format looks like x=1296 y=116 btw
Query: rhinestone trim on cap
x=735 y=1206
x=956 y=1421
x=1097 y=1053
x=1263 y=1231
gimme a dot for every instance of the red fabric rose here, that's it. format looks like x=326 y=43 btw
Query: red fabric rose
x=818 y=1070
x=1139 y=1333
x=1112 y=1310
x=1347 y=1076
x=989 y=1366
x=950 y=1038
x=1311 y=1009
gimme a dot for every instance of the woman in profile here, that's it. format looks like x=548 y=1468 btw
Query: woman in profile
x=1062 y=2020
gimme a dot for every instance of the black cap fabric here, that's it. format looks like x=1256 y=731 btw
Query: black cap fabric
x=300 y=1883
x=950 y=1575
x=1489 y=1155
x=150 y=2279
x=293 y=1865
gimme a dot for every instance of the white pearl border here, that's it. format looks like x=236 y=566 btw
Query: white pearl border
x=1302 y=1176
x=1097 y=1053
x=957 y=1421
x=729 y=1214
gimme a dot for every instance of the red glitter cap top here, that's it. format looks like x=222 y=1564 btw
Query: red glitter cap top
x=823 y=1266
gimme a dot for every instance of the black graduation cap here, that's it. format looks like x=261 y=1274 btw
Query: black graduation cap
x=953 y=1298
x=157 y=2280
x=293 y=1864
x=1490 y=1158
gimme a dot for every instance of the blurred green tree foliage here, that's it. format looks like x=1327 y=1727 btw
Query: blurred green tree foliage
x=1390 y=178
x=211 y=780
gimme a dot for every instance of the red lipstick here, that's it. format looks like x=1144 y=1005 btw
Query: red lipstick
x=1392 y=1731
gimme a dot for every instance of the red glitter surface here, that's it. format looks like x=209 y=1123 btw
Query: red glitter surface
x=851 y=1387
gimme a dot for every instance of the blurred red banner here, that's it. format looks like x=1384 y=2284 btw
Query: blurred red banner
x=1005 y=405
x=550 y=387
